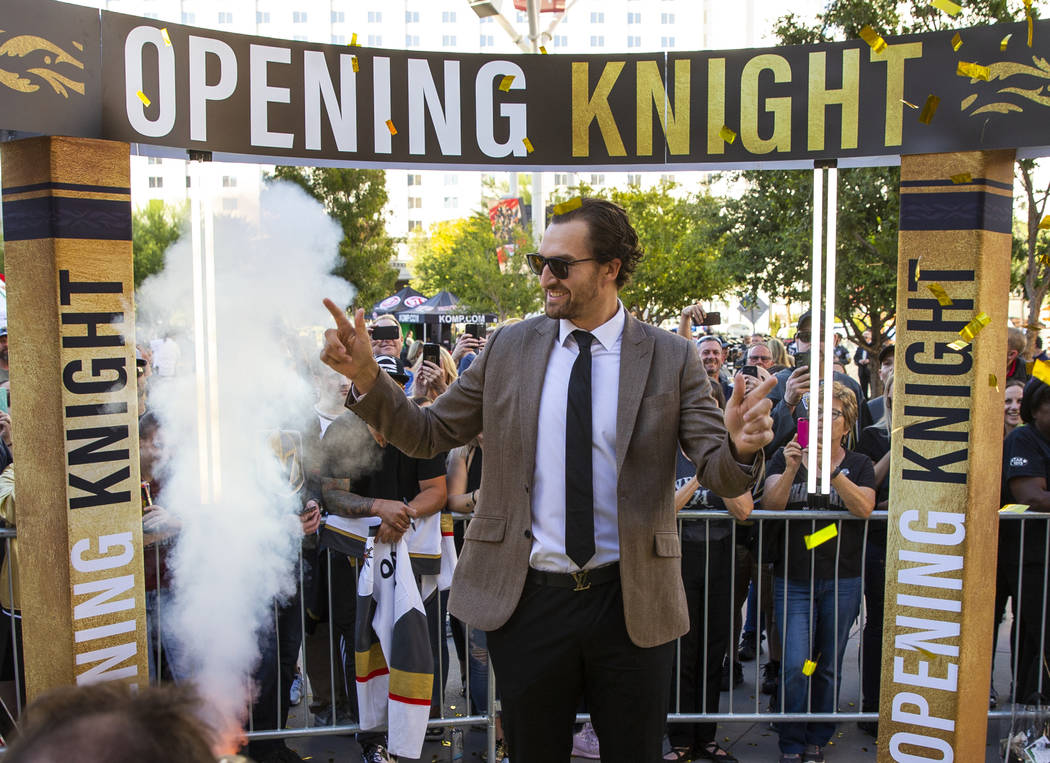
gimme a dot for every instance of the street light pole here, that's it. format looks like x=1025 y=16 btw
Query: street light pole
x=538 y=209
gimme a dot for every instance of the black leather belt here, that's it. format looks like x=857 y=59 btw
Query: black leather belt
x=577 y=581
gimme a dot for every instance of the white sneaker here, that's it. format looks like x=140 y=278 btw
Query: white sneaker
x=295 y=691
x=585 y=743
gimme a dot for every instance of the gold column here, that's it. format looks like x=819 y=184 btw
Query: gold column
x=947 y=436
x=67 y=230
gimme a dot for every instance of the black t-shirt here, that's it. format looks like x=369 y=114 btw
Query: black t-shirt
x=848 y=544
x=696 y=530
x=1026 y=453
x=875 y=443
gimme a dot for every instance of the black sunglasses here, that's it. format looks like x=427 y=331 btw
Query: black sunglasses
x=559 y=267
x=804 y=336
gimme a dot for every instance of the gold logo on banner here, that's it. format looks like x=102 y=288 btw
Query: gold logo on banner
x=287 y=447
x=39 y=51
x=1007 y=70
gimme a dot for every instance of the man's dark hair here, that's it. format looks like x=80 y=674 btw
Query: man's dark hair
x=1036 y=394
x=108 y=723
x=611 y=236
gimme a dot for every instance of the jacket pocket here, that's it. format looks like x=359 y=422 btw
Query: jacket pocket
x=667 y=544
x=491 y=529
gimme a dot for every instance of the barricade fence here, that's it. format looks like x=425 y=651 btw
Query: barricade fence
x=751 y=549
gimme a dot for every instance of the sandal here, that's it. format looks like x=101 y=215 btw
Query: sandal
x=679 y=753
x=711 y=751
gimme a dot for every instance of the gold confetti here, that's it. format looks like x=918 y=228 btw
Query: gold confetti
x=1041 y=371
x=956 y=42
x=726 y=134
x=145 y=100
x=929 y=109
x=973 y=328
x=808 y=667
x=993 y=382
x=1004 y=42
x=952 y=9
x=1044 y=224
x=822 y=535
x=909 y=104
x=543 y=50
x=917 y=263
x=958 y=345
x=567 y=206
x=164 y=34
x=926 y=653
x=353 y=39
x=354 y=63
x=973 y=71
x=962 y=177
x=528 y=145
x=873 y=38
x=506 y=82
x=940 y=293
x=390 y=126
x=1014 y=508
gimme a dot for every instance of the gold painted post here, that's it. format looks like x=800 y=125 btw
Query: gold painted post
x=67 y=230
x=947 y=445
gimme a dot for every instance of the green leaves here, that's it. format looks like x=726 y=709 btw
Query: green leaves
x=154 y=228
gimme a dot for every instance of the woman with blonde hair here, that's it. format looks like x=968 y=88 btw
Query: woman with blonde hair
x=432 y=380
x=781 y=358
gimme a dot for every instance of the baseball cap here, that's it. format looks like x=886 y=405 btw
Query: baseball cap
x=885 y=352
x=393 y=366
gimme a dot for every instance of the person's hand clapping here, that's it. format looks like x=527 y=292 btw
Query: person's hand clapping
x=747 y=417
x=348 y=348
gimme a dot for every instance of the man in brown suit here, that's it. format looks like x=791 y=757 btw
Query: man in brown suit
x=572 y=560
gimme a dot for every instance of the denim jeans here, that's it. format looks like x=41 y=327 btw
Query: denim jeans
x=811 y=634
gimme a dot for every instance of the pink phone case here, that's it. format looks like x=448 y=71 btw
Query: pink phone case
x=803 y=433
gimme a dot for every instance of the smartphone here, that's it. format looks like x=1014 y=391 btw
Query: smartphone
x=803 y=433
x=476 y=330
x=432 y=353
x=712 y=319
x=385 y=331
x=750 y=371
x=802 y=359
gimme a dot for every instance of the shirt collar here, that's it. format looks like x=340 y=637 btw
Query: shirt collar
x=607 y=334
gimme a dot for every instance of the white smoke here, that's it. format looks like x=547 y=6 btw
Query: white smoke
x=235 y=555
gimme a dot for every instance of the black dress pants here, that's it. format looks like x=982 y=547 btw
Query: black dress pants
x=562 y=646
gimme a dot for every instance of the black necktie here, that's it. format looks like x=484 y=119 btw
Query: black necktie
x=579 y=485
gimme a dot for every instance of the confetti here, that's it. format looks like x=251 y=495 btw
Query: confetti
x=909 y=104
x=940 y=293
x=808 y=667
x=918 y=262
x=873 y=38
x=993 y=382
x=543 y=50
x=973 y=328
x=390 y=126
x=1004 y=42
x=354 y=63
x=956 y=42
x=142 y=97
x=164 y=34
x=962 y=177
x=952 y=9
x=567 y=206
x=528 y=145
x=353 y=39
x=1041 y=371
x=1028 y=18
x=506 y=82
x=1044 y=224
x=726 y=134
x=822 y=535
x=958 y=345
x=973 y=71
x=926 y=653
x=928 y=110
x=1014 y=508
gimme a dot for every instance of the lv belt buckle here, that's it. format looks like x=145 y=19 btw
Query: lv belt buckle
x=582 y=583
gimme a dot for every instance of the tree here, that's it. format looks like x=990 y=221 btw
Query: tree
x=154 y=228
x=460 y=256
x=1035 y=249
x=356 y=199
x=681 y=238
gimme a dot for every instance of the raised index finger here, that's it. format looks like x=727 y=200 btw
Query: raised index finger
x=341 y=321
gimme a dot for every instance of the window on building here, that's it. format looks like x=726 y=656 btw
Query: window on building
x=448 y=17
x=415 y=180
x=521 y=18
x=560 y=40
x=298 y=17
x=597 y=41
x=299 y=37
x=414 y=225
x=597 y=17
x=189 y=18
x=667 y=42
x=154 y=160
x=411 y=17
x=375 y=40
x=487 y=41
x=156 y=181
x=262 y=17
x=375 y=17
x=415 y=202
x=338 y=17
x=151 y=15
x=486 y=20
x=451 y=202
x=598 y=179
x=229 y=181
x=634 y=41
x=225 y=17
x=666 y=18
x=451 y=178
x=339 y=39
x=411 y=40
x=187 y=181
x=634 y=180
x=561 y=179
x=634 y=17
x=448 y=40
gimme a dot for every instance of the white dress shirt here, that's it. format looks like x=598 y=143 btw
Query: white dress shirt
x=548 y=486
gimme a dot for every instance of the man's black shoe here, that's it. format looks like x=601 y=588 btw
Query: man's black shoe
x=747 y=649
x=770 y=677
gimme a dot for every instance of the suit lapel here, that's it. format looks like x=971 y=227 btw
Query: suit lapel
x=535 y=350
x=636 y=355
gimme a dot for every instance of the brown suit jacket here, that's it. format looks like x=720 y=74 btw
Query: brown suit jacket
x=664 y=399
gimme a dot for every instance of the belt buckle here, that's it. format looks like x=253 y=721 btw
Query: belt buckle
x=582 y=583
